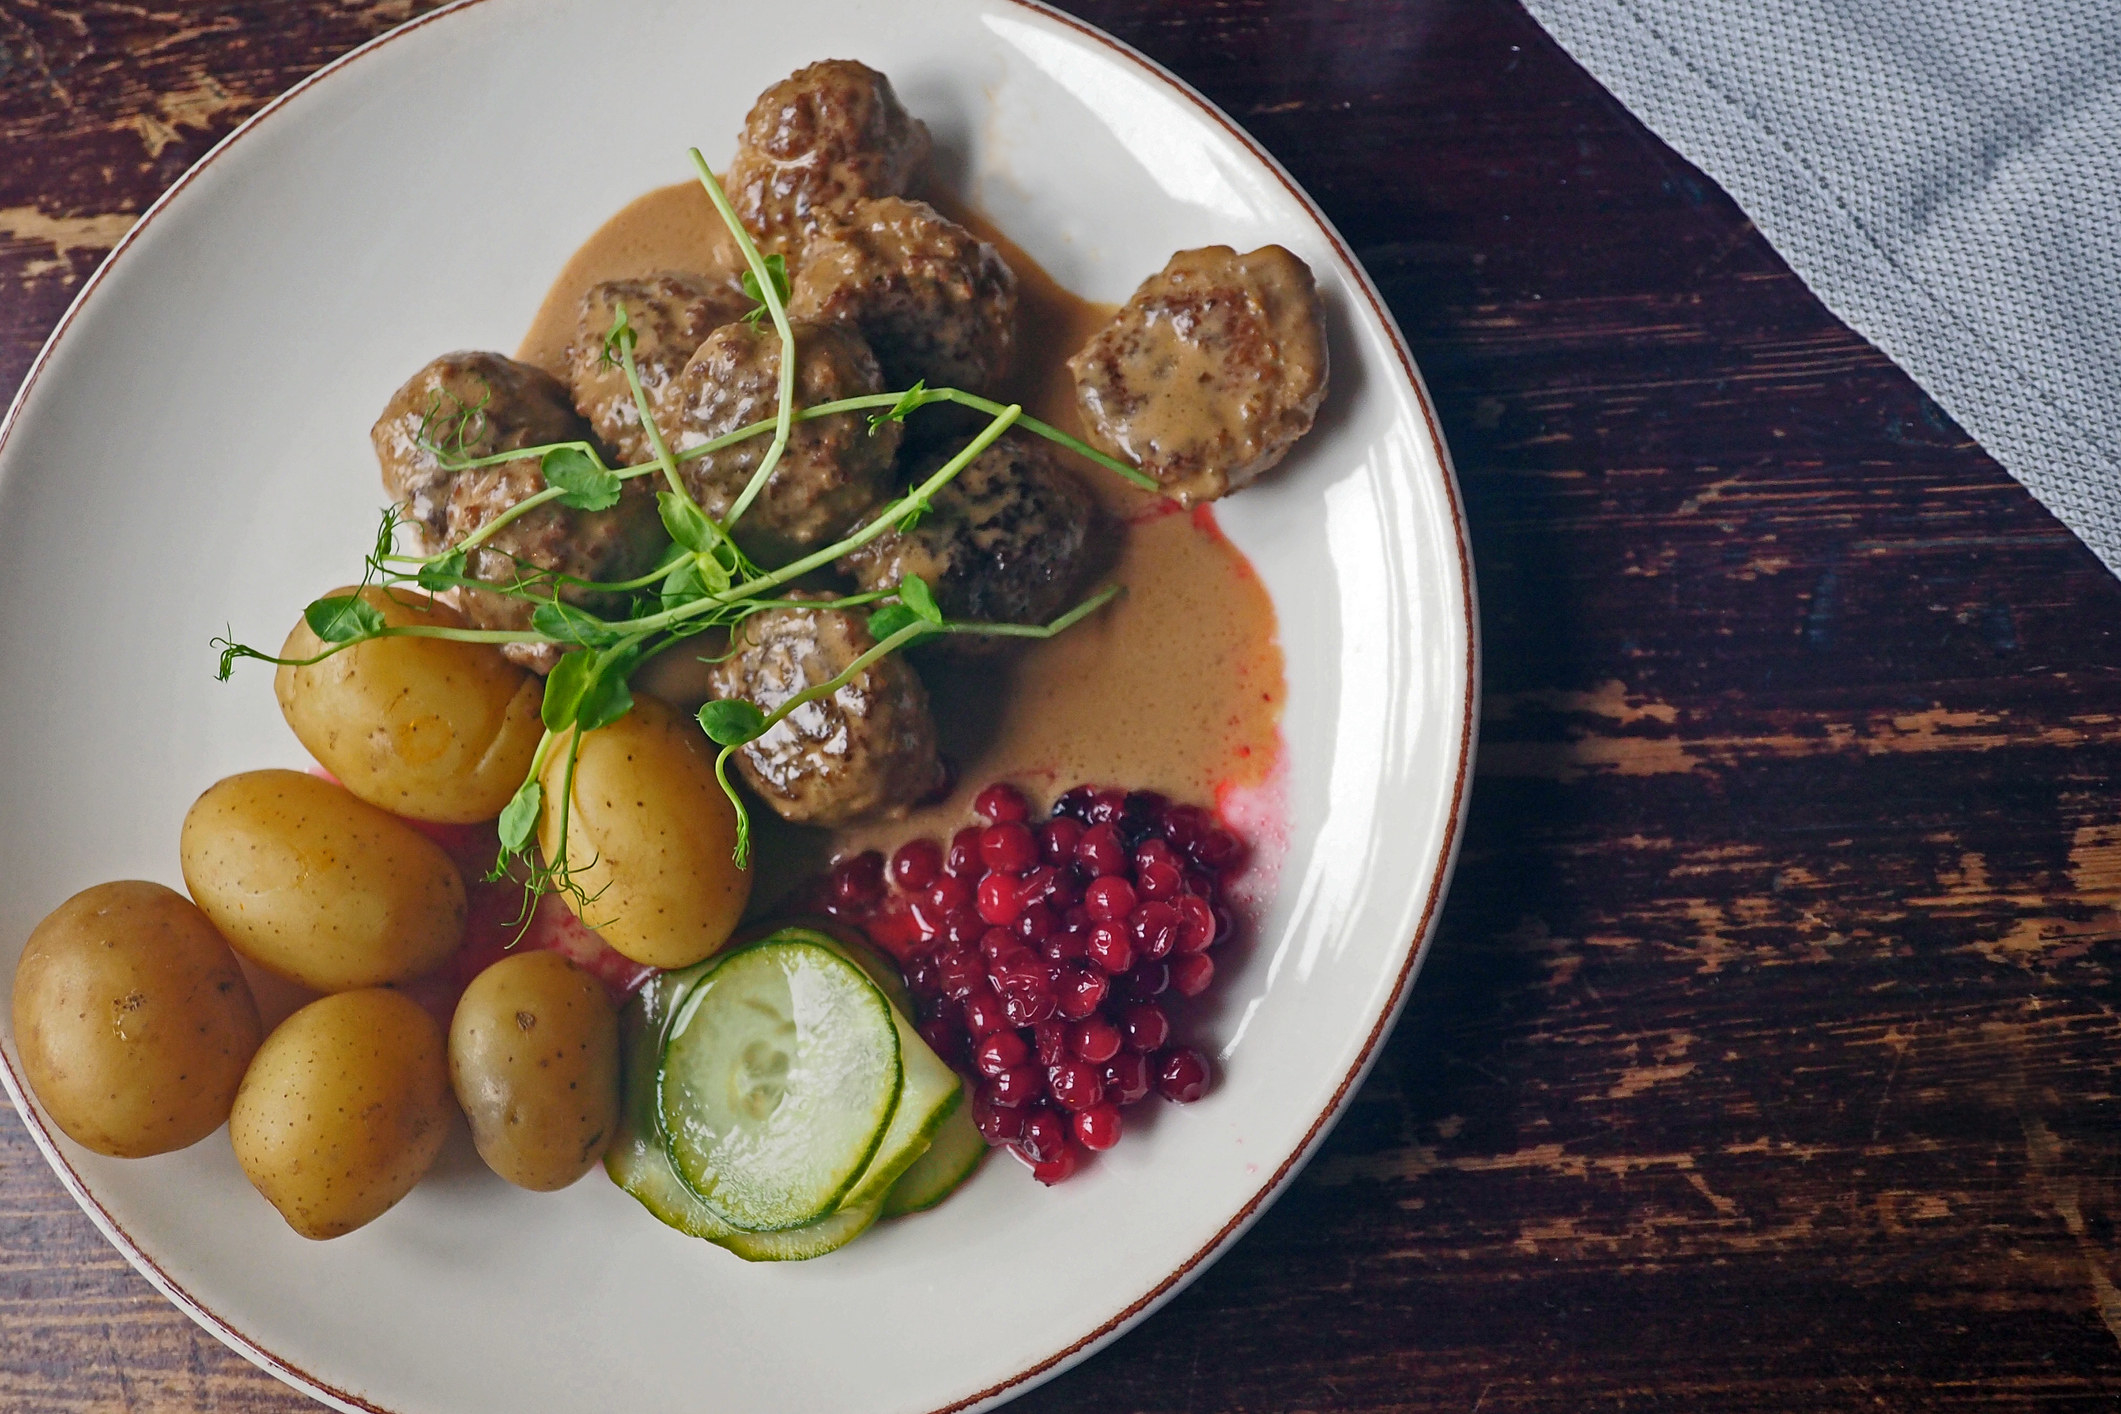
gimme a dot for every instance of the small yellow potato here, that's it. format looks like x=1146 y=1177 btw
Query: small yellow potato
x=534 y=1059
x=650 y=836
x=318 y=887
x=343 y=1110
x=425 y=727
x=133 y=1020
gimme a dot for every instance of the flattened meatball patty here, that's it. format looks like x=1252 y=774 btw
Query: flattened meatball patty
x=474 y=405
x=834 y=469
x=868 y=749
x=1008 y=540
x=934 y=301
x=671 y=315
x=817 y=142
x=1210 y=372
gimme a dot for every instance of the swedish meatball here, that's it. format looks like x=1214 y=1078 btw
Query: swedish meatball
x=817 y=142
x=473 y=405
x=1208 y=374
x=671 y=315
x=1008 y=540
x=868 y=749
x=934 y=301
x=833 y=470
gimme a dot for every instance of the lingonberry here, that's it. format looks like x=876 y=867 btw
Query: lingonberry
x=1027 y=1007
x=1045 y=1135
x=916 y=864
x=1127 y=1078
x=859 y=879
x=1002 y=1051
x=921 y=977
x=961 y=971
x=947 y=895
x=984 y=1013
x=1191 y=973
x=1182 y=1074
x=1109 y=898
x=1099 y=852
x=1158 y=880
x=1155 y=929
x=999 y=901
x=963 y=859
x=1036 y=923
x=1019 y=1085
x=998 y=1124
x=1057 y=1169
x=1075 y=1085
x=1049 y=1041
x=1196 y=924
x=1110 y=948
x=1094 y=1039
x=1106 y=807
x=1000 y=803
x=1146 y=982
x=1075 y=804
x=1057 y=839
x=1098 y=1127
x=1082 y=991
x=1144 y=1027
x=1064 y=945
x=1008 y=847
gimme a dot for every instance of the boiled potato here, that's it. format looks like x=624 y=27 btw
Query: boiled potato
x=133 y=1020
x=534 y=1059
x=343 y=1110
x=321 y=888
x=425 y=727
x=650 y=836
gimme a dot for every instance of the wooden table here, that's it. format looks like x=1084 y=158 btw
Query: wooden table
x=1767 y=1056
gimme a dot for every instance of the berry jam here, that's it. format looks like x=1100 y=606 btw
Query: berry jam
x=1045 y=956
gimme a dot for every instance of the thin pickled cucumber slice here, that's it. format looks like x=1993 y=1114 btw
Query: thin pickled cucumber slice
x=637 y=1160
x=952 y=1156
x=797 y=1244
x=780 y=1075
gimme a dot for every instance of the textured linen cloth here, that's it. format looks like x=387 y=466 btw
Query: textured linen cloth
x=1944 y=174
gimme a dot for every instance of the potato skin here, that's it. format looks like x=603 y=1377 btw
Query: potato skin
x=424 y=727
x=133 y=1020
x=321 y=888
x=534 y=1059
x=650 y=836
x=343 y=1110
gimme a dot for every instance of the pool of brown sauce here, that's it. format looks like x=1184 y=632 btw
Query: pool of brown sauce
x=1177 y=686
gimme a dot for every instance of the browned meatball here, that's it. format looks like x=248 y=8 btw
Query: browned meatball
x=816 y=143
x=834 y=469
x=934 y=301
x=473 y=405
x=1008 y=540
x=1208 y=374
x=868 y=749
x=671 y=315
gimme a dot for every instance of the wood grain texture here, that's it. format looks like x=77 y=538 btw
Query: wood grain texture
x=1766 y=1060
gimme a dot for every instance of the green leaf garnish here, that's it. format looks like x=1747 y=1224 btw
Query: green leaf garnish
x=909 y=402
x=686 y=523
x=607 y=698
x=564 y=623
x=521 y=816
x=914 y=593
x=583 y=483
x=438 y=575
x=776 y=271
x=343 y=618
x=732 y=721
x=890 y=619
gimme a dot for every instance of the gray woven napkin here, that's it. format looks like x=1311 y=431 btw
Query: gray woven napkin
x=1944 y=174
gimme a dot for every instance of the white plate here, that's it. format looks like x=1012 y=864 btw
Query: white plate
x=190 y=451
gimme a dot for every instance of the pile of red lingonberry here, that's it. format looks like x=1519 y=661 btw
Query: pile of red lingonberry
x=1038 y=953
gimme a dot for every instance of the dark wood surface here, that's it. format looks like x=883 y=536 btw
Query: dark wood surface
x=1766 y=1060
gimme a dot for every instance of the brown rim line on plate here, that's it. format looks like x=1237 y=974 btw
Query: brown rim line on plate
x=1416 y=949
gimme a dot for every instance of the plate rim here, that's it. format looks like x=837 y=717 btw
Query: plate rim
x=1416 y=949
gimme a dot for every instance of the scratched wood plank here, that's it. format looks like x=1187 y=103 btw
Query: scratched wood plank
x=1766 y=1059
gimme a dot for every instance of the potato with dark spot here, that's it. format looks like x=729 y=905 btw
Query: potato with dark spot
x=322 y=888
x=534 y=1059
x=425 y=727
x=132 y=1019
x=343 y=1110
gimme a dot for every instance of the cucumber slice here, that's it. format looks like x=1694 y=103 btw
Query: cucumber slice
x=780 y=1075
x=637 y=1159
x=953 y=1156
x=929 y=1091
x=797 y=1244
x=863 y=954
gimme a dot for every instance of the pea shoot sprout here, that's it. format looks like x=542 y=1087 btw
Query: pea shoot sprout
x=701 y=581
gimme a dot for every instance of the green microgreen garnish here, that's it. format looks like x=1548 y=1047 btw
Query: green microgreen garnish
x=702 y=580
